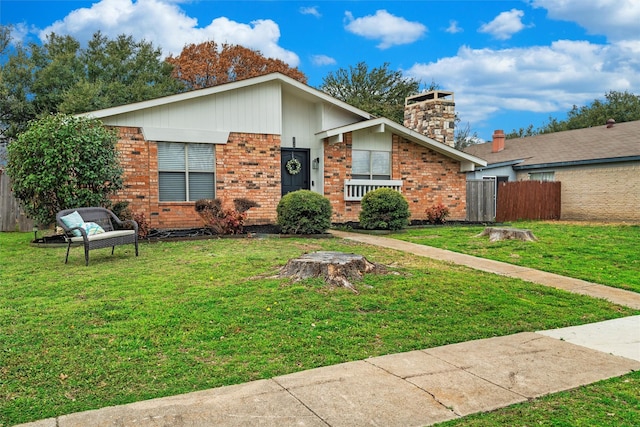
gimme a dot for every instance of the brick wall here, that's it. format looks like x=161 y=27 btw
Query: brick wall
x=138 y=158
x=599 y=193
x=337 y=168
x=247 y=166
x=428 y=179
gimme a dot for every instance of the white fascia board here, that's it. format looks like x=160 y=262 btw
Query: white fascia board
x=350 y=128
x=185 y=135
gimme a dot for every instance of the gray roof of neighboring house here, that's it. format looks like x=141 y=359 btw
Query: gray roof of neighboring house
x=581 y=146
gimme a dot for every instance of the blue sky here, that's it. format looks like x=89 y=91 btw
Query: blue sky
x=509 y=63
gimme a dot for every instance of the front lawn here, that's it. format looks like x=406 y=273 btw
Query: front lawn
x=611 y=403
x=605 y=254
x=192 y=315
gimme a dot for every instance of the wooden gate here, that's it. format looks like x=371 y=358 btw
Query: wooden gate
x=481 y=200
x=521 y=200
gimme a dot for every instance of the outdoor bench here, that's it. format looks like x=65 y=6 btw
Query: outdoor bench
x=94 y=229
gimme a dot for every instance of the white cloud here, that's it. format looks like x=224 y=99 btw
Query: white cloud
x=19 y=33
x=389 y=29
x=453 y=28
x=167 y=26
x=616 y=19
x=311 y=10
x=321 y=60
x=539 y=79
x=504 y=25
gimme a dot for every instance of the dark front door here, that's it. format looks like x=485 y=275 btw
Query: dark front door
x=295 y=165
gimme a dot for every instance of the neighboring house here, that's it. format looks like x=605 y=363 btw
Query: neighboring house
x=598 y=167
x=238 y=140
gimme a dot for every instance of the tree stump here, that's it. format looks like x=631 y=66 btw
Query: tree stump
x=496 y=234
x=336 y=268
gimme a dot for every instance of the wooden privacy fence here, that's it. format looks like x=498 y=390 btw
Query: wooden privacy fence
x=528 y=200
x=12 y=217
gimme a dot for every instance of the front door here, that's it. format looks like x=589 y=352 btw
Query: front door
x=295 y=165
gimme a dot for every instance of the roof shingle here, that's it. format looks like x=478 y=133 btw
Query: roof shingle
x=595 y=143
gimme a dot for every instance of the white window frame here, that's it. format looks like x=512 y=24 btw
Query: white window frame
x=186 y=171
x=370 y=173
x=544 y=176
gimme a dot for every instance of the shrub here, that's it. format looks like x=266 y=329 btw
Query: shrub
x=63 y=162
x=224 y=221
x=437 y=214
x=143 y=225
x=123 y=212
x=384 y=209
x=242 y=205
x=304 y=212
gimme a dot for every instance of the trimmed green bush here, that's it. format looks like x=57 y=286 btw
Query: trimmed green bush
x=304 y=212
x=384 y=209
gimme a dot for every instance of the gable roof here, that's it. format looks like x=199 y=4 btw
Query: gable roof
x=287 y=82
x=573 y=147
x=381 y=124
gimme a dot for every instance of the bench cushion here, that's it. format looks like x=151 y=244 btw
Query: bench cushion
x=92 y=228
x=106 y=235
x=73 y=220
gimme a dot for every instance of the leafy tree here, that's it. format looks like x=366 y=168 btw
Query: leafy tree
x=63 y=162
x=60 y=76
x=209 y=64
x=379 y=91
x=521 y=133
x=464 y=137
x=118 y=72
x=16 y=78
x=620 y=106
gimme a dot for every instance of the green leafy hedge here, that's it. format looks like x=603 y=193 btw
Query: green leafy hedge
x=304 y=212
x=384 y=209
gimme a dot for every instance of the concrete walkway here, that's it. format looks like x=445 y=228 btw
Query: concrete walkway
x=615 y=295
x=409 y=389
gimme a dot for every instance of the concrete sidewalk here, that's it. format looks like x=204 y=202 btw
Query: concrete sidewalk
x=409 y=389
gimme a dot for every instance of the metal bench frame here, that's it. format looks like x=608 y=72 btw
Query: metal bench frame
x=113 y=236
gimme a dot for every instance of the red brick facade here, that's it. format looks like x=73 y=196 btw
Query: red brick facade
x=249 y=166
x=428 y=179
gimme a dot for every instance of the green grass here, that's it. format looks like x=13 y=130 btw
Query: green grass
x=605 y=254
x=610 y=403
x=193 y=315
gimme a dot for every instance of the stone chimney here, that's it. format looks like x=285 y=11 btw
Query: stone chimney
x=432 y=114
x=498 y=141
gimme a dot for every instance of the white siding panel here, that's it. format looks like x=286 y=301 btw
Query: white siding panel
x=333 y=117
x=367 y=140
x=253 y=109
x=300 y=120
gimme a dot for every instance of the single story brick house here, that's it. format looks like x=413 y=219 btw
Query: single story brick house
x=598 y=167
x=263 y=137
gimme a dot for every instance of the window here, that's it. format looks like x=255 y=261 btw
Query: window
x=542 y=176
x=369 y=164
x=185 y=171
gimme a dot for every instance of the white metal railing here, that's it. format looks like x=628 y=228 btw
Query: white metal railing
x=355 y=189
